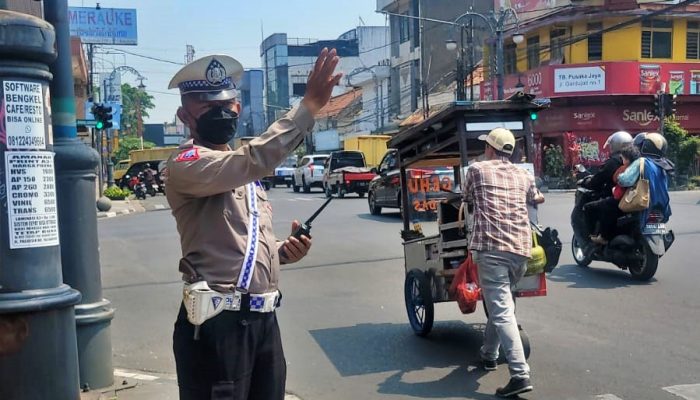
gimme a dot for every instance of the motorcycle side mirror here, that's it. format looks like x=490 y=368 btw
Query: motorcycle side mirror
x=374 y=171
x=294 y=165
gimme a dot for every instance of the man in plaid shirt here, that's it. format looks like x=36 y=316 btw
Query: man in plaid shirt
x=500 y=243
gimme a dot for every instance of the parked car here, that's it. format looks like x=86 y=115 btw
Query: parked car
x=346 y=172
x=309 y=172
x=285 y=172
x=426 y=186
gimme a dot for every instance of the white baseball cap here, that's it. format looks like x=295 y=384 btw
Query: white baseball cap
x=500 y=139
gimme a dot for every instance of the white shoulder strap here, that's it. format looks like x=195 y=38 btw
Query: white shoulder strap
x=251 y=249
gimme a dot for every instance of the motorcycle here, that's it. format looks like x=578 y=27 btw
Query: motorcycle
x=634 y=248
x=152 y=189
x=137 y=185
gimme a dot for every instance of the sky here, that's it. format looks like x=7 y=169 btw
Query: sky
x=232 y=27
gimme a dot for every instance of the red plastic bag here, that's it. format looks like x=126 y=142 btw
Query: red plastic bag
x=465 y=286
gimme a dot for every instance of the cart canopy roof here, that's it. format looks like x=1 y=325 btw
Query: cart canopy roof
x=436 y=141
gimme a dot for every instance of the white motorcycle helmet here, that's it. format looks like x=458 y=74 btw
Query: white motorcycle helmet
x=654 y=144
x=617 y=141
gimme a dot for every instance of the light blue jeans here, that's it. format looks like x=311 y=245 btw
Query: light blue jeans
x=499 y=271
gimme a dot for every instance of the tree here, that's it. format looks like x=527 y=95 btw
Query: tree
x=553 y=161
x=128 y=144
x=682 y=148
x=132 y=99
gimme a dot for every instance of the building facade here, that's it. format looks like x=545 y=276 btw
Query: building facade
x=601 y=64
x=287 y=63
x=420 y=60
x=251 y=121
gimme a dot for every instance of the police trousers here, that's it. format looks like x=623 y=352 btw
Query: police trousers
x=238 y=356
x=499 y=271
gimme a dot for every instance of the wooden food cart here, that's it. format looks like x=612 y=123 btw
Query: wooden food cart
x=449 y=138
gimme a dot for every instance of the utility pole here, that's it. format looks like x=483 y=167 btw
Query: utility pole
x=38 y=352
x=75 y=184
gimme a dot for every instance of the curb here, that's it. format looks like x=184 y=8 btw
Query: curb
x=112 y=214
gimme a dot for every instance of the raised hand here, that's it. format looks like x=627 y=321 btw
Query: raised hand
x=321 y=81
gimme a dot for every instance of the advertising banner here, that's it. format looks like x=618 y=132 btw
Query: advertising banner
x=694 y=82
x=581 y=79
x=103 y=26
x=676 y=82
x=649 y=78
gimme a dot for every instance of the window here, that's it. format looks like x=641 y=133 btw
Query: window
x=556 y=42
x=657 y=38
x=533 y=52
x=404 y=29
x=692 y=41
x=595 y=42
x=298 y=89
x=510 y=59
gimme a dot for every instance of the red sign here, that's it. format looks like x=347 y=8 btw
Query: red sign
x=626 y=77
x=631 y=117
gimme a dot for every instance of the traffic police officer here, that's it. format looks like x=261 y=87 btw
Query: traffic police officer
x=226 y=340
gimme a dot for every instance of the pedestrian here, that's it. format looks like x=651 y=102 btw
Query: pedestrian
x=500 y=245
x=226 y=339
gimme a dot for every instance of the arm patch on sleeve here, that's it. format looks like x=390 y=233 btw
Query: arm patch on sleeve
x=188 y=155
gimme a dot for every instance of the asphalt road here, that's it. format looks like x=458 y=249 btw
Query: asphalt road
x=597 y=335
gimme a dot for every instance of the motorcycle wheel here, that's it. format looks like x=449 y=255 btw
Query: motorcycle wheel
x=578 y=251
x=647 y=269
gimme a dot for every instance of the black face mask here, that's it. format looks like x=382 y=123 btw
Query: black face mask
x=218 y=125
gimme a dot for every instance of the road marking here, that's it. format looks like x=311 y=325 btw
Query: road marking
x=302 y=199
x=133 y=375
x=159 y=207
x=688 y=392
x=607 y=397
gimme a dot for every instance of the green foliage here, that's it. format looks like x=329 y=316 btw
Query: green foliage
x=115 y=193
x=133 y=100
x=127 y=144
x=683 y=149
x=553 y=161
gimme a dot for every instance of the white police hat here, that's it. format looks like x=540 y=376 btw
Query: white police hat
x=210 y=78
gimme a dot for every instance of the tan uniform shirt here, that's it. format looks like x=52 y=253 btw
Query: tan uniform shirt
x=206 y=192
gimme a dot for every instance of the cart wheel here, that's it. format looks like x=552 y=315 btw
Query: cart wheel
x=526 y=341
x=419 y=302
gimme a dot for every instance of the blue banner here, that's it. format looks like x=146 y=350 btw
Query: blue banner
x=103 y=26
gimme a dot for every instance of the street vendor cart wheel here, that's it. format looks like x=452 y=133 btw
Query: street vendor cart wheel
x=526 y=342
x=419 y=302
x=523 y=335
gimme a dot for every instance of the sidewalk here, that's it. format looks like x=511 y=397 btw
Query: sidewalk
x=137 y=385
x=121 y=207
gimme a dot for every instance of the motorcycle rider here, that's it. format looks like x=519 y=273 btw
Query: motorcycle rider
x=657 y=168
x=602 y=182
x=149 y=175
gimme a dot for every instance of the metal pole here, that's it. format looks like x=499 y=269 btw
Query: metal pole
x=75 y=183
x=471 y=60
x=38 y=353
x=499 y=59
x=376 y=105
x=460 y=67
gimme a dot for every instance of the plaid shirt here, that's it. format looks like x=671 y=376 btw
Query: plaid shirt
x=500 y=192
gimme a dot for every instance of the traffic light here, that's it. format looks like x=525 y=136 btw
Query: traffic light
x=107 y=117
x=103 y=116
x=669 y=104
x=533 y=116
x=659 y=104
